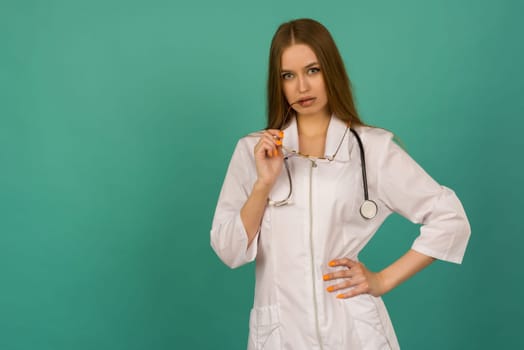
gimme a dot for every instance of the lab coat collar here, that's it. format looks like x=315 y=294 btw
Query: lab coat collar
x=335 y=133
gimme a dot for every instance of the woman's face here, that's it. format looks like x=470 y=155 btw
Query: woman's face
x=303 y=81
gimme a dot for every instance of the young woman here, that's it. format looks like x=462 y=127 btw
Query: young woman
x=304 y=197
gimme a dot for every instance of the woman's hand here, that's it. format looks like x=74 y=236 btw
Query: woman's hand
x=268 y=157
x=355 y=276
x=269 y=161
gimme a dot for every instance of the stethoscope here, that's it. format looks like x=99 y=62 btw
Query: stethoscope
x=368 y=209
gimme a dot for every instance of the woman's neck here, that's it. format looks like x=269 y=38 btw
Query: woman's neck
x=312 y=131
x=313 y=125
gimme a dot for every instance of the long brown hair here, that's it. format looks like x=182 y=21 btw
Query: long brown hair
x=338 y=87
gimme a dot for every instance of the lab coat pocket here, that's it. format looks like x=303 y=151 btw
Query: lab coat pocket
x=264 y=329
x=369 y=324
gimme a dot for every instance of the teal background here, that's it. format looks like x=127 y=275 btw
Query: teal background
x=117 y=122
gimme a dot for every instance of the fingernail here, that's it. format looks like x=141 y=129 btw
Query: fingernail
x=281 y=134
x=275 y=153
x=325 y=277
x=330 y=288
x=279 y=142
x=332 y=263
x=340 y=296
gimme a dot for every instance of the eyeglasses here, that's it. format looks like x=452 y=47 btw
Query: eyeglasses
x=289 y=153
x=368 y=209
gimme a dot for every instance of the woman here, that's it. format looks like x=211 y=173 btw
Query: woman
x=304 y=197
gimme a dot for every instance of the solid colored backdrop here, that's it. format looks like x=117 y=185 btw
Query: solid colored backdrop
x=117 y=122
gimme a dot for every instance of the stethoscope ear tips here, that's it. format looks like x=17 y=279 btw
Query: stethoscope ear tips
x=368 y=209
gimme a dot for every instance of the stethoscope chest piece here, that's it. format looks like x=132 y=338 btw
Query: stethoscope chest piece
x=368 y=209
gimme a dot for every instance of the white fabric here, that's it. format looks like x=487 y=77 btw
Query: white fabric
x=296 y=241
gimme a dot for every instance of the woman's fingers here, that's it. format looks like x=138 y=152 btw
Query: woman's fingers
x=277 y=134
x=268 y=149
x=353 y=269
x=360 y=289
x=355 y=276
x=265 y=147
x=343 y=262
x=343 y=285
x=268 y=156
x=269 y=143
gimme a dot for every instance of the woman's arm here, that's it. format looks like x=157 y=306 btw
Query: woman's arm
x=269 y=161
x=402 y=269
x=243 y=198
x=375 y=283
x=405 y=188
x=253 y=210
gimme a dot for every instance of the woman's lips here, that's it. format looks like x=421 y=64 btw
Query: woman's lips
x=306 y=102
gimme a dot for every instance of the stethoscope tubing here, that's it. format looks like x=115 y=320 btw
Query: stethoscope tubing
x=363 y=163
x=368 y=209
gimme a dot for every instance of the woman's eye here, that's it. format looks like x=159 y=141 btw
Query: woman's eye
x=287 y=76
x=313 y=70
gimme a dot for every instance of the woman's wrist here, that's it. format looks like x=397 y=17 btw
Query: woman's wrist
x=262 y=188
x=402 y=269
x=386 y=284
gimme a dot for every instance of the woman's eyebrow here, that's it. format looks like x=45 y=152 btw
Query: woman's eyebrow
x=307 y=66
x=311 y=65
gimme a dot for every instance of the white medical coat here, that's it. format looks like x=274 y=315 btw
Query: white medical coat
x=292 y=309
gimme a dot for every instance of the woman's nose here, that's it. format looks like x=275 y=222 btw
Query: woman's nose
x=303 y=84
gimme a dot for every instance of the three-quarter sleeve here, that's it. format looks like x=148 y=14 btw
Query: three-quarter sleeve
x=407 y=189
x=228 y=235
